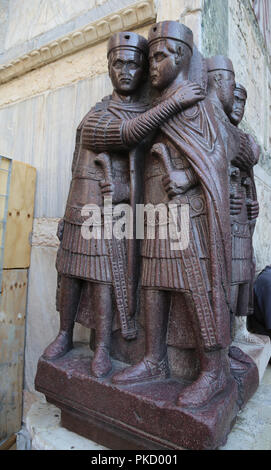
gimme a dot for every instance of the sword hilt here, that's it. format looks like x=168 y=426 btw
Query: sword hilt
x=104 y=160
x=247 y=183
x=160 y=151
x=234 y=180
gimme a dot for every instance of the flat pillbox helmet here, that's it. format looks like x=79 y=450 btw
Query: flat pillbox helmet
x=127 y=40
x=241 y=89
x=171 y=30
x=219 y=62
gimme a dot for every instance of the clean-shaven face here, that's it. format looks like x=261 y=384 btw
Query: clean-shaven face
x=163 y=66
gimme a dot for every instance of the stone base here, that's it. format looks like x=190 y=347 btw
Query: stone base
x=138 y=417
x=260 y=354
x=43 y=431
x=252 y=430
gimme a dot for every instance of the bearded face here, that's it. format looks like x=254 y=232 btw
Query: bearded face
x=127 y=70
x=238 y=109
x=225 y=90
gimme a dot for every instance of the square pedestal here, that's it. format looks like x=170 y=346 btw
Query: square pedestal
x=142 y=416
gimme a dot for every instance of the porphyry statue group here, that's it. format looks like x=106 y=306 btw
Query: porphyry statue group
x=168 y=133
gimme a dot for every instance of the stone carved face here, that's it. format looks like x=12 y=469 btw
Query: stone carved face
x=238 y=109
x=127 y=70
x=225 y=87
x=166 y=59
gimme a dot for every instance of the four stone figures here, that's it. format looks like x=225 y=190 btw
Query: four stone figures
x=184 y=149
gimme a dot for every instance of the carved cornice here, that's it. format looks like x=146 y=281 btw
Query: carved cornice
x=131 y=17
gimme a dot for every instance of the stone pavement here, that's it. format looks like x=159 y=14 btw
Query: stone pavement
x=252 y=430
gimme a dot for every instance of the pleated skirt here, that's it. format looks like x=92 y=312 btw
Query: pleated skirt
x=79 y=257
x=163 y=267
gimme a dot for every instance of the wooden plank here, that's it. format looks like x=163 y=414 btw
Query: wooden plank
x=5 y=164
x=19 y=216
x=9 y=443
x=12 y=334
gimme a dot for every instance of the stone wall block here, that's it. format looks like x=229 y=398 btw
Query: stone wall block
x=103 y=29
x=90 y=34
x=129 y=18
x=145 y=11
x=78 y=39
x=46 y=54
x=66 y=44
x=35 y=58
x=116 y=23
x=55 y=49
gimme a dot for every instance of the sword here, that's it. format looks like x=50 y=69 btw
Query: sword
x=117 y=261
x=247 y=183
x=192 y=265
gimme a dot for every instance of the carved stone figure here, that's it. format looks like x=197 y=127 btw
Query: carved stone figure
x=242 y=155
x=178 y=169
x=87 y=264
x=250 y=157
x=104 y=263
x=176 y=152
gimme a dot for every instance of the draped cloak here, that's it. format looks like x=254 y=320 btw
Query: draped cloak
x=199 y=140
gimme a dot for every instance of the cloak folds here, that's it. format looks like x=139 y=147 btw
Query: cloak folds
x=200 y=141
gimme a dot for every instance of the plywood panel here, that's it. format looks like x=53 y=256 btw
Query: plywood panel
x=19 y=216
x=12 y=334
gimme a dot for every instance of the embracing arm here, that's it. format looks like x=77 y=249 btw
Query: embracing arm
x=103 y=132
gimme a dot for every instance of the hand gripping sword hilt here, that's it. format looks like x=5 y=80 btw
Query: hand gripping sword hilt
x=160 y=151
x=104 y=160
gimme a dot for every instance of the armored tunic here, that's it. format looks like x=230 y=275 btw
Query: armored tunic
x=89 y=258
x=195 y=147
x=204 y=268
x=242 y=251
x=241 y=160
x=164 y=267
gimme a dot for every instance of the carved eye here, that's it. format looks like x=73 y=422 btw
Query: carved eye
x=127 y=36
x=118 y=64
x=159 y=57
x=133 y=65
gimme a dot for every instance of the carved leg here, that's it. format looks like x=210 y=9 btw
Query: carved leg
x=101 y=364
x=154 y=365
x=242 y=335
x=212 y=380
x=214 y=372
x=69 y=297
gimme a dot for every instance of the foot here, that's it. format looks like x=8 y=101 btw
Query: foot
x=101 y=363
x=242 y=335
x=237 y=366
x=59 y=347
x=143 y=371
x=245 y=337
x=208 y=384
x=239 y=361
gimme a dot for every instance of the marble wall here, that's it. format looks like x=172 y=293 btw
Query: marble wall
x=41 y=16
x=46 y=20
x=3 y=23
x=41 y=131
x=230 y=27
x=253 y=69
